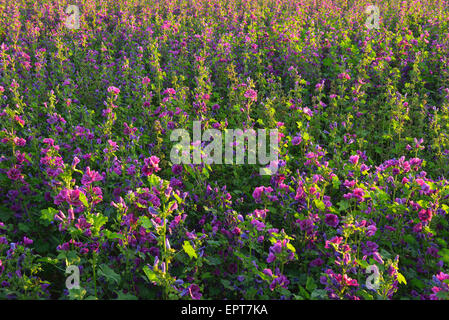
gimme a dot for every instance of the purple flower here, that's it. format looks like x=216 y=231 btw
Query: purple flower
x=14 y=174
x=194 y=291
x=271 y=257
x=317 y=262
x=177 y=169
x=27 y=241
x=296 y=140
x=276 y=248
x=257 y=194
x=377 y=257
x=268 y=272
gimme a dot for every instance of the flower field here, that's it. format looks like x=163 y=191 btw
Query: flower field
x=92 y=205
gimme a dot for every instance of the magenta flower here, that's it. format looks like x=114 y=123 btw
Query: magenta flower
x=268 y=272
x=27 y=241
x=170 y=91
x=73 y=197
x=425 y=215
x=151 y=165
x=257 y=194
x=14 y=174
x=251 y=94
x=48 y=141
x=354 y=159
x=344 y=75
x=114 y=90
x=177 y=169
x=90 y=177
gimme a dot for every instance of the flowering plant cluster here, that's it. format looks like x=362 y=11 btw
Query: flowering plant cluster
x=358 y=208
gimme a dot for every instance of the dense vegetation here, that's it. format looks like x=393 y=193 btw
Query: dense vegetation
x=86 y=178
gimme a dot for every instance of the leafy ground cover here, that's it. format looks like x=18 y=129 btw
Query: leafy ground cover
x=86 y=178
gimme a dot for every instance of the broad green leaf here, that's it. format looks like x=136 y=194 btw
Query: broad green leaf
x=150 y=274
x=48 y=214
x=189 y=249
x=109 y=274
x=401 y=278
x=125 y=296
x=83 y=199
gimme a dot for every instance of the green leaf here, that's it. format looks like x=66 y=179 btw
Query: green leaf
x=83 y=199
x=77 y=294
x=99 y=220
x=291 y=247
x=189 y=249
x=109 y=274
x=125 y=296
x=151 y=275
x=327 y=62
x=48 y=214
x=336 y=182
x=319 y=294
x=177 y=197
x=319 y=204
x=410 y=239
x=145 y=222
x=24 y=227
x=310 y=284
x=401 y=278
x=113 y=235
x=214 y=261
x=153 y=180
x=303 y=292
x=227 y=284
x=343 y=205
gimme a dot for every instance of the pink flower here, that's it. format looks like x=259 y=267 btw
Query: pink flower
x=151 y=165
x=257 y=193
x=354 y=159
x=251 y=94
x=49 y=141
x=358 y=193
x=170 y=91
x=377 y=257
x=425 y=215
x=90 y=177
x=344 y=75
x=19 y=141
